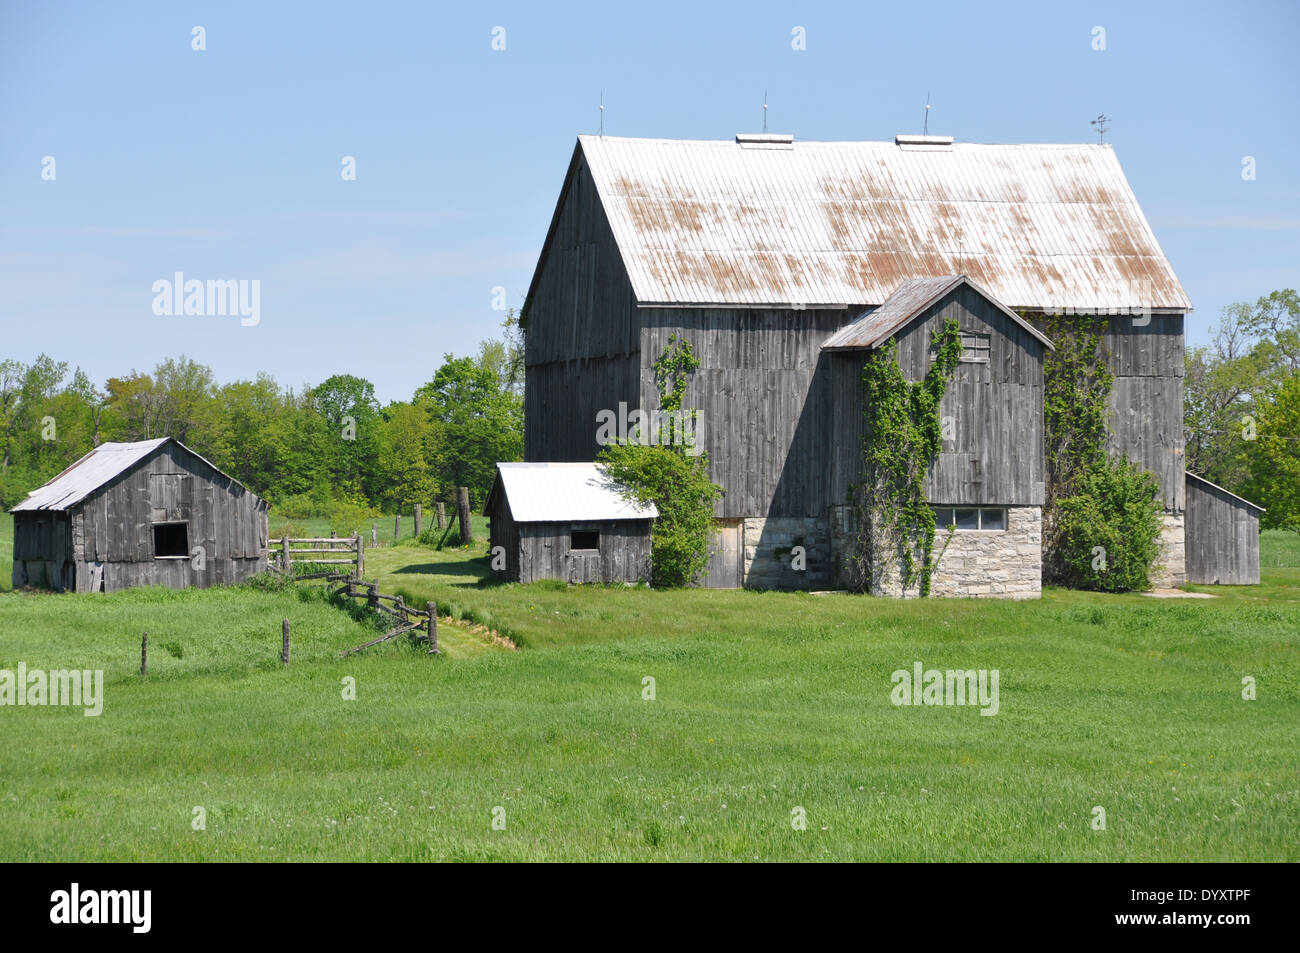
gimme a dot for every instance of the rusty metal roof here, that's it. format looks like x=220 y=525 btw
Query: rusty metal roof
x=88 y=474
x=835 y=224
x=95 y=469
x=911 y=298
x=561 y=492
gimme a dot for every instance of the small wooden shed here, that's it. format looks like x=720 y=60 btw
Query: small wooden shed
x=152 y=512
x=1222 y=533
x=567 y=521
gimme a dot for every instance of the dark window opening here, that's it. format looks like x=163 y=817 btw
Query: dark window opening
x=584 y=539
x=170 y=540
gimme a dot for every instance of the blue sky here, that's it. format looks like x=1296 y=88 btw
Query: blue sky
x=225 y=163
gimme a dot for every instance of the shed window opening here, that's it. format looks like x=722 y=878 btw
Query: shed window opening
x=171 y=541
x=584 y=539
x=979 y=518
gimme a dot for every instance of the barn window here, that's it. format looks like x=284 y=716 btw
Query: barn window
x=171 y=541
x=974 y=347
x=990 y=519
x=584 y=539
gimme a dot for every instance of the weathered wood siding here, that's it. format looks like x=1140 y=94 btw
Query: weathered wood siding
x=624 y=554
x=43 y=553
x=1222 y=536
x=108 y=538
x=582 y=334
x=1146 y=401
x=503 y=532
x=995 y=409
x=762 y=394
x=782 y=420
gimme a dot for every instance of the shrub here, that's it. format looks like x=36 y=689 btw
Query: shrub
x=351 y=517
x=1105 y=536
x=665 y=474
x=679 y=486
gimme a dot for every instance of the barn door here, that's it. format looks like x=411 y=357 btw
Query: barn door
x=726 y=552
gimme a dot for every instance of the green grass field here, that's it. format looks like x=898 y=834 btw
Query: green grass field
x=764 y=702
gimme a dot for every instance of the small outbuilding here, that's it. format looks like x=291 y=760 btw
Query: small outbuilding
x=148 y=513
x=566 y=521
x=1222 y=535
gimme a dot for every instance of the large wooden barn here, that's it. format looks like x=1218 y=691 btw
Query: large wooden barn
x=761 y=250
x=138 y=514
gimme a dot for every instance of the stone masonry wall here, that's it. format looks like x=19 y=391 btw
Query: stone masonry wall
x=768 y=558
x=1171 y=564
x=984 y=564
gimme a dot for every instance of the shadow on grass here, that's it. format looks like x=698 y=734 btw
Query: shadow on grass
x=476 y=572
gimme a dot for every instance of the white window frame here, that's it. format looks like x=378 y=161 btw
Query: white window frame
x=951 y=518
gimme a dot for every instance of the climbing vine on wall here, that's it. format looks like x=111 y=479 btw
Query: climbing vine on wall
x=902 y=439
x=671 y=474
x=1102 y=517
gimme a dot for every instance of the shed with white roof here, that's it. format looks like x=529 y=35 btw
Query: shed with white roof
x=566 y=521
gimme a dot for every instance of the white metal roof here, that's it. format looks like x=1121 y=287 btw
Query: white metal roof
x=88 y=474
x=713 y=223
x=559 y=492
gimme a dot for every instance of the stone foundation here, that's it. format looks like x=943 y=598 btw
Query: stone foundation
x=769 y=559
x=994 y=564
x=1171 y=564
x=1005 y=564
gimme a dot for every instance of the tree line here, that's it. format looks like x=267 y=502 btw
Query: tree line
x=1241 y=406
x=308 y=451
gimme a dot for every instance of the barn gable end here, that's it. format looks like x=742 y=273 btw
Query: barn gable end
x=165 y=517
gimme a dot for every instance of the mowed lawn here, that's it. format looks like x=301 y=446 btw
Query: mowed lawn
x=763 y=703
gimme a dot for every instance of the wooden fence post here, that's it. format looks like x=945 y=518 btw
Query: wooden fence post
x=417 y=520
x=334 y=534
x=144 y=654
x=374 y=535
x=284 y=648
x=359 y=545
x=462 y=502
x=401 y=608
x=284 y=554
x=397 y=526
x=372 y=595
x=442 y=516
x=432 y=609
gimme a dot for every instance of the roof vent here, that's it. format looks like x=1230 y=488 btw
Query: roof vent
x=765 y=140
x=939 y=143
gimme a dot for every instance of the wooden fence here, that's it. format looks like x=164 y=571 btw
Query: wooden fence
x=284 y=552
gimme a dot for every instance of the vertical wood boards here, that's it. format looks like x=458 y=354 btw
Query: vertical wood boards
x=109 y=535
x=1222 y=536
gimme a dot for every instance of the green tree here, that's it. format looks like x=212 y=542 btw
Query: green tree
x=481 y=423
x=1273 y=458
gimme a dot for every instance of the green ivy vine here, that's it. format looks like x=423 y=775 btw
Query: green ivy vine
x=902 y=439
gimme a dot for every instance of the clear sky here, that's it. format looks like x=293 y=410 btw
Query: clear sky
x=226 y=162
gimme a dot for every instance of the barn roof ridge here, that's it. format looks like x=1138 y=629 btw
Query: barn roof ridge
x=714 y=223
